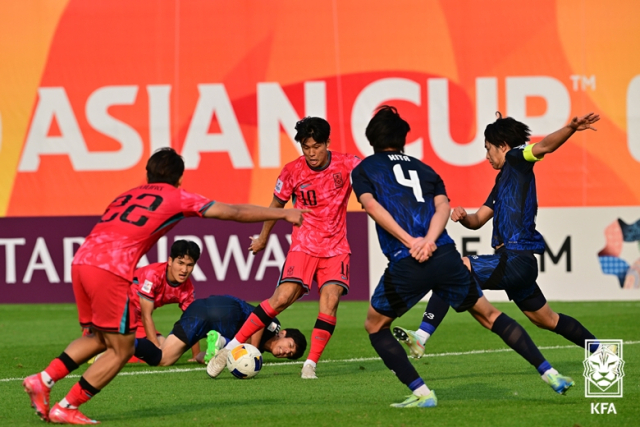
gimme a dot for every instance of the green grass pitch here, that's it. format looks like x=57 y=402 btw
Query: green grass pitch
x=478 y=381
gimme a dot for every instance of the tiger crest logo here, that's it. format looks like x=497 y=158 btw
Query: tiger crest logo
x=337 y=179
x=603 y=369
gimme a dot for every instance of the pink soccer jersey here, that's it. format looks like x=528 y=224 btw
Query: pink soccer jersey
x=151 y=282
x=133 y=223
x=326 y=192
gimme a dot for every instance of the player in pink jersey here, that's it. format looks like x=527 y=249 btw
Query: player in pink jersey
x=164 y=283
x=318 y=180
x=102 y=272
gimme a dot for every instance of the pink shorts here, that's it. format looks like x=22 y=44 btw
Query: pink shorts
x=102 y=299
x=303 y=268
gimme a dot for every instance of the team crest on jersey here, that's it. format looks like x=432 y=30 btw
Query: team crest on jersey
x=290 y=271
x=278 y=185
x=146 y=287
x=337 y=179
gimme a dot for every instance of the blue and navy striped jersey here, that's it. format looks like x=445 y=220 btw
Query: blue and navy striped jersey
x=405 y=187
x=515 y=205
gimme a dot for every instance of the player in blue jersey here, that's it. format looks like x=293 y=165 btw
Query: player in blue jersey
x=408 y=202
x=513 y=206
x=218 y=318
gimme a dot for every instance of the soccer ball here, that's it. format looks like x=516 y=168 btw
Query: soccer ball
x=244 y=361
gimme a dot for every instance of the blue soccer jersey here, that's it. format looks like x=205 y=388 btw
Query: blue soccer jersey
x=223 y=313
x=515 y=205
x=406 y=188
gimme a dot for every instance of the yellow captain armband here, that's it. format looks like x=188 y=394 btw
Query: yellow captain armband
x=528 y=154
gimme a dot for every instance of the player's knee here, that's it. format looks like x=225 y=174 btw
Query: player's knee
x=370 y=327
x=544 y=324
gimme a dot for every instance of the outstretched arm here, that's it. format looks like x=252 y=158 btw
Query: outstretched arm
x=259 y=243
x=253 y=213
x=472 y=221
x=553 y=141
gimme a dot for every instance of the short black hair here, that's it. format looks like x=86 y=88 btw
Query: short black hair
x=165 y=165
x=300 y=340
x=312 y=127
x=506 y=130
x=387 y=130
x=181 y=248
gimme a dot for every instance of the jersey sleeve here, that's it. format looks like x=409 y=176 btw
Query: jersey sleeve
x=284 y=184
x=187 y=297
x=491 y=200
x=519 y=158
x=438 y=188
x=353 y=162
x=146 y=284
x=193 y=204
x=360 y=182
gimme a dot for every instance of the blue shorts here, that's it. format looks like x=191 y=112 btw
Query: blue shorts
x=512 y=271
x=223 y=313
x=406 y=281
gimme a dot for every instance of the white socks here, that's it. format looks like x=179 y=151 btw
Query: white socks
x=423 y=336
x=546 y=373
x=46 y=379
x=423 y=390
x=232 y=344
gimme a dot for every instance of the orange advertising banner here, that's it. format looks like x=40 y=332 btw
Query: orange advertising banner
x=89 y=89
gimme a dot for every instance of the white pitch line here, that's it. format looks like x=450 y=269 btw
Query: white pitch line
x=357 y=359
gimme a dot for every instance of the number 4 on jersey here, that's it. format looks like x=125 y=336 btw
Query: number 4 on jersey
x=413 y=182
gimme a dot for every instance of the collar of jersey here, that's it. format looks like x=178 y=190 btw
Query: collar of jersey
x=320 y=169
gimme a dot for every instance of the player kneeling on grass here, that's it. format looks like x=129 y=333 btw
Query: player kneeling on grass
x=406 y=198
x=164 y=283
x=215 y=318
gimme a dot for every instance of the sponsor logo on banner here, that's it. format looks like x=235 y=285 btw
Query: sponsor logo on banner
x=603 y=369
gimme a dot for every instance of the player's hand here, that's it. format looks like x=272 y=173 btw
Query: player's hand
x=193 y=359
x=458 y=214
x=257 y=244
x=294 y=216
x=422 y=249
x=584 y=122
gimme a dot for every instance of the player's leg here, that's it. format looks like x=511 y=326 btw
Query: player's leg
x=332 y=275
x=120 y=347
x=514 y=335
x=323 y=329
x=433 y=315
x=536 y=308
x=395 y=358
x=285 y=295
x=112 y=320
x=38 y=386
x=402 y=286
